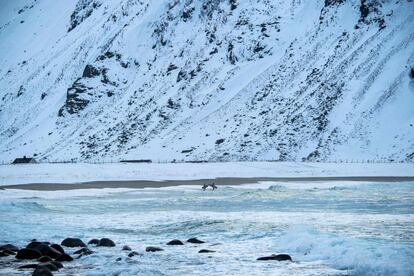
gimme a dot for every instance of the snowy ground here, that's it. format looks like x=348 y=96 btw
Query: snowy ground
x=81 y=172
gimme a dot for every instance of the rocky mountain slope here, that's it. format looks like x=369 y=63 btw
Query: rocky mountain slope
x=207 y=79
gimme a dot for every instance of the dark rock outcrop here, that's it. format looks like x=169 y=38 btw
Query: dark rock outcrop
x=94 y=241
x=9 y=247
x=57 y=264
x=133 y=253
x=175 y=242
x=42 y=271
x=206 y=251
x=126 y=248
x=28 y=266
x=58 y=248
x=153 y=249
x=90 y=72
x=28 y=254
x=64 y=258
x=45 y=259
x=84 y=251
x=46 y=250
x=194 y=240
x=73 y=242
x=106 y=242
x=276 y=257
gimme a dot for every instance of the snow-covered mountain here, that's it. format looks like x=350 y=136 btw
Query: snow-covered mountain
x=207 y=79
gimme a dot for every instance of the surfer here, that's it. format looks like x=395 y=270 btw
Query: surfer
x=204 y=187
x=213 y=186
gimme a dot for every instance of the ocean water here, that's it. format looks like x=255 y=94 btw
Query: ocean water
x=329 y=228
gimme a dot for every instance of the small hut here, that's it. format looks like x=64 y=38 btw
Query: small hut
x=24 y=160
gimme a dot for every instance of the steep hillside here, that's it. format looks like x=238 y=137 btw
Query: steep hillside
x=207 y=79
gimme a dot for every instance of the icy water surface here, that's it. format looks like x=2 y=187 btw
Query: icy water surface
x=328 y=228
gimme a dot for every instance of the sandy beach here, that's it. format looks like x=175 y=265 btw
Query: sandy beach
x=139 y=184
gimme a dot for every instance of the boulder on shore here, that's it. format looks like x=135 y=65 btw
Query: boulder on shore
x=46 y=250
x=84 y=251
x=10 y=247
x=42 y=271
x=175 y=242
x=64 y=258
x=73 y=242
x=126 y=248
x=94 y=241
x=106 y=242
x=153 y=249
x=194 y=240
x=133 y=253
x=206 y=251
x=274 y=257
x=58 y=248
x=28 y=254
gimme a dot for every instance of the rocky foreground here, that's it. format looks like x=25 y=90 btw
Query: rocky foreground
x=44 y=257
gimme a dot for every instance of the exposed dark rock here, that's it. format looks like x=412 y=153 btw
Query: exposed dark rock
x=75 y=99
x=175 y=242
x=73 y=242
x=118 y=259
x=194 y=240
x=45 y=259
x=28 y=266
x=28 y=254
x=90 y=72
x=4 y=254
x=57 y=264
x=219 y=141
x=58 y=248
x=333 y=2
x=49 y=266
x=153 y=249
x=126 y=248
x=412 y=73
x=274 y=257
x=64 y=258
x=42 y=271
x=82 y=11
x=46 y=250
x=84 y=251
x=9 y=252
x=133 y=253
x=206 y=251
x=9 y=247
x=33 y=244
x=106 y=242
x=94 y=241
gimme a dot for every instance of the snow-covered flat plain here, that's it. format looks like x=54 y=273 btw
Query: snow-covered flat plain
x=83 y=172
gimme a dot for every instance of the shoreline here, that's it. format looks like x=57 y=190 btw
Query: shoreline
x=226 y=181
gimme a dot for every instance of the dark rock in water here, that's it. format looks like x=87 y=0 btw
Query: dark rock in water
x=133 y=253
x=94 y=241
x=33 y=244
x=57 y=264
x=274 y=257
x=49 y=266
x=64 y=258
x=3 y=254
x=175 y=242
x=194 y=240
x=58 y=248
x=42 y=271
x=7 y=251
x=46 y=250
x=126 y=248
x=106 y=242
x=118 y=259
x=153 y=249
x=9 y=247
x=28 y=254
x=45 y=259
x=84 y=251
x=73 y=242
x=206 y=251
x=28 y=266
